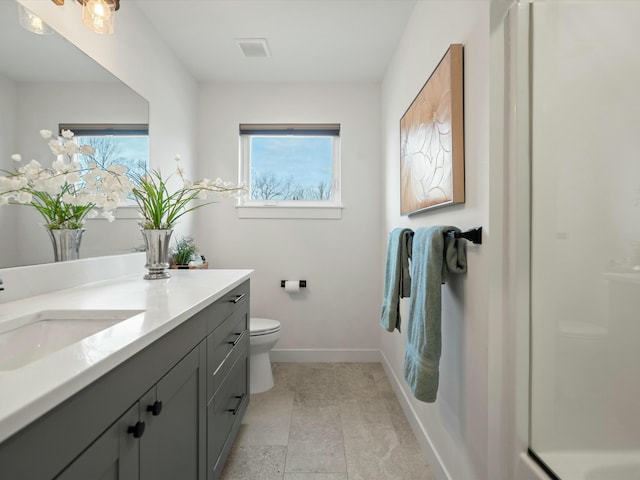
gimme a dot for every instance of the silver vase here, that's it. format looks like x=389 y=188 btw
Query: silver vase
x=66 y=243
x=157 y=247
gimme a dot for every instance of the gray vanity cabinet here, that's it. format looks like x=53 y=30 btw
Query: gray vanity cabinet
x=159 y=438
x=172 y=445
x=169 y=412
x=113 y=456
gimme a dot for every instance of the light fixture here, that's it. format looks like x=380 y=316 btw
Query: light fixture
x=97 y=15
x=32 y=22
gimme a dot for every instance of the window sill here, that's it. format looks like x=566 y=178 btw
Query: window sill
x=333 y=212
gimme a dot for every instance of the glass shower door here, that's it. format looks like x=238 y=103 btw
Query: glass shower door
x=585 y=240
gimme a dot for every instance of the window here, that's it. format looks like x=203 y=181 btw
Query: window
x=292 y=171
x=123 y=144
x=126 y=145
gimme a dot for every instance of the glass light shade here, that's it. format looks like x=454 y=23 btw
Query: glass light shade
x=32 y=22
x=99 y=15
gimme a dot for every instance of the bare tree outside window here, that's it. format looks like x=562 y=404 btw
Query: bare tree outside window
x=130 y=151
x=269 y=186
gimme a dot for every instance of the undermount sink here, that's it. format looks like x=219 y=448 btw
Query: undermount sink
x=29 y=338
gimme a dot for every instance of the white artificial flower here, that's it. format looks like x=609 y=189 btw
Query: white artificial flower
x=57 y=148
x=108 y=215
x=177 y=158
x=202 y=194
x=70 y=199
x=87 y=150
x=24 y=197
x=5 y=184
x=72 y=148
x=73 y=177
x=16 y=157
x=67 y=133
x=59 y=165
x=46 y=133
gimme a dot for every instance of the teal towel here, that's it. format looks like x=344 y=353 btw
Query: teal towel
x=435 y=254
x=397 y=281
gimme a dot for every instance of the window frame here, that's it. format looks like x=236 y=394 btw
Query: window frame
x=321 y=209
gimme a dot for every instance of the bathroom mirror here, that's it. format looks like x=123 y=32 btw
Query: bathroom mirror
x=46 y=81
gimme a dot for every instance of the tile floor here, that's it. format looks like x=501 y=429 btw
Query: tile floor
x=326 y=421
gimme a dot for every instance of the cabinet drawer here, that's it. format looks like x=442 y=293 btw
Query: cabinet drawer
x=222 y=346
x=236 y=299
x=227 y=405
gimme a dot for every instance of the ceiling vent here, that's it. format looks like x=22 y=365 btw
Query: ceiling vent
x=254 y=47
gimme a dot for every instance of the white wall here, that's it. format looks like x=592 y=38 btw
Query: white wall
x=455 y=427
x=339 y=258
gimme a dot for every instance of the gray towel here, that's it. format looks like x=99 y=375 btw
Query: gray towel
x=434 y=255
x=397 y=281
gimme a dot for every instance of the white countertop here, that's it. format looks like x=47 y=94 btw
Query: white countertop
x=28 y=392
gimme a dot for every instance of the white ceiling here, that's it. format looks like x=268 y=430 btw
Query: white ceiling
x=310 y=40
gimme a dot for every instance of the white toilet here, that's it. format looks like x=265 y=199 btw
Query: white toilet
x=265 y=333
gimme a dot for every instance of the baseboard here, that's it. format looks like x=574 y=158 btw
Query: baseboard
x=435 y=462
x=325 y=356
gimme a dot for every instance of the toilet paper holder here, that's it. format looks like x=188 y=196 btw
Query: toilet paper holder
x=303 y=283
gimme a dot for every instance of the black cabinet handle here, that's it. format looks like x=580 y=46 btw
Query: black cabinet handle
x=235 y=410
x=238 y=298
x=235 y=341
x=136 y=430
x=155 y=409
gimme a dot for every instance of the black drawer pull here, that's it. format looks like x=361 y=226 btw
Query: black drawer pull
x=236 y=340
x=155 y=409
x=235 y=410
x=238 y=298
x=136 y=430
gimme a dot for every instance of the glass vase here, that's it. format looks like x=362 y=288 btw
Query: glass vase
x=66 y=243
x=157 y=250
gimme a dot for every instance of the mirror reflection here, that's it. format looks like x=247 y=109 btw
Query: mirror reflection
x=46 y=83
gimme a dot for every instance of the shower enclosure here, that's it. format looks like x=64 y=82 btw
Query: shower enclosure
x=585 y=238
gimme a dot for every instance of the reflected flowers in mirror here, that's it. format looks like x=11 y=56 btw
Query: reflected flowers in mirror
x=65 y=194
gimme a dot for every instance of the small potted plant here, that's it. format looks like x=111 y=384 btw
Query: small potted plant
x=183 y=252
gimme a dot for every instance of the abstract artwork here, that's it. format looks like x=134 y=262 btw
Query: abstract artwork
x=432 y=140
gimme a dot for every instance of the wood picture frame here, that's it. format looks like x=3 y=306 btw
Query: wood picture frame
x=432 y=140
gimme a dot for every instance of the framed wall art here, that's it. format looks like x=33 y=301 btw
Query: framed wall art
x=432 y=140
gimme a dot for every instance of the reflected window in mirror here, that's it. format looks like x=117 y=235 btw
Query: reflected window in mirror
x=126 y=145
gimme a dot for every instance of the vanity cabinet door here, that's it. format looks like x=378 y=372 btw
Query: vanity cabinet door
x=173 y=445
x=113 y=456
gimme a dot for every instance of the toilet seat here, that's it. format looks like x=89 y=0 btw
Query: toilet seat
x=263 y=326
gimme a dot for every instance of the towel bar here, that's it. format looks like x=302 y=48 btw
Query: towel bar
x=474 y=235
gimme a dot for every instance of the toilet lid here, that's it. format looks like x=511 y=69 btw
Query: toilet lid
x=263 y=326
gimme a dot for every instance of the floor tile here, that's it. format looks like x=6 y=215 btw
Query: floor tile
x=327 y=421
x=268 y=419
x=255 y=463
x=315 y=476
